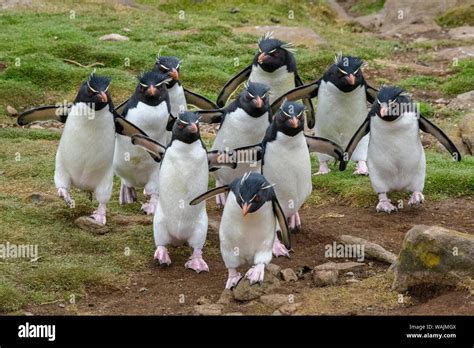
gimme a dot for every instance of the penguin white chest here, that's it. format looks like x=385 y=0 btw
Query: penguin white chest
x=246 y=239
x=396 y=158
x=177 y=99
x=287 y=164
x=280 y=81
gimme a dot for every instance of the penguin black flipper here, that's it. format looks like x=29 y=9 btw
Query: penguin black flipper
x=323 y=145
x=154 y=148
x=303 y=92
x=211 y=116
x=209 y=194
x=218 y=159
x=363 y=130
x=370 y=96
x=310 y=118
x=124 y=127
x=232 y=85
x=429 y=127
x=198 y=101
x=280 y=216
x=121 y=107
x=170 y=124
x=43 y=113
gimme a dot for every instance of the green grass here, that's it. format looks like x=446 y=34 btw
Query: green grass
x=367 y=7
x=457 y=16
x=74 y=260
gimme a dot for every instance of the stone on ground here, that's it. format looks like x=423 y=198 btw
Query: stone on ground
x=246 y=292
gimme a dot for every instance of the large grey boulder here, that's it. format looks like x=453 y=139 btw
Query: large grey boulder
x=246 y=292
x=433 y=255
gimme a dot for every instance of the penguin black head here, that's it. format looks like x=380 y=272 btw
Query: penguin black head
x=273 y=54
x=151 y=88
x=252 y=191
x=186 y=127
x=289 y=119
x=95 y=91
x=391 y=103
x=168 y=65
x=346 y=73
x=255 y=99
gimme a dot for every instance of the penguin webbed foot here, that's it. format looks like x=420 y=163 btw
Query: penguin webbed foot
x=323 y=168
x=98 y=217
x=127 y=194
x=233 y=279
x=279 y=249
x=196 y=262
x=361 y=168
x=64 y=194
x=416 y=199
x=162 y=256
x=386 y=206
x=256 y=274
x=220 y=200
x=148 y=208
x=294 y=223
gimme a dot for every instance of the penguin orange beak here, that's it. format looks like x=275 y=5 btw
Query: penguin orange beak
x=259 y=102
x=294 y=122
x=351 y=79
x=103 y=97
x=245 y=209
x=193 y=128
x=151 y=90
x=261 y=58
x=174 y=74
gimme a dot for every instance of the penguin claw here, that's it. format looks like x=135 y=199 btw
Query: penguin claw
x=279 y=249
x=361 y=168
x=162 y=256
x=323 y=169
x=386 y=206
x=64 y=194
x=256 y=274
x=127 y=194
x=416 y=199
x=98 y=217
x=233 y=280
x=148 y=208
x=197 y=264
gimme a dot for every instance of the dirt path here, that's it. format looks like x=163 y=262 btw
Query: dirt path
x=175 y=290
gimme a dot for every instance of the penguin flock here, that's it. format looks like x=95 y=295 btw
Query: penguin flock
x=260 y=158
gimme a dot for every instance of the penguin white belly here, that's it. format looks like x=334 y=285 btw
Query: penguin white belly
x=183 y=176
x=280 y=81
x=396 y=158
x=339 y=115
x=238 y=130
x=132 y=163
x=177 y=99
x=246 y=239
x=287 y=164
x=86 y=149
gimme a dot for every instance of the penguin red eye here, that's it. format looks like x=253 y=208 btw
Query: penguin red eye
x=90 y=92
x=257 y=198
x=181 y=125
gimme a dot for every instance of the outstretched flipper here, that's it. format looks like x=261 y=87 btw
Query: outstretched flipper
x=326 y=146
x=232 y=85
x=429 y=127
x=211 y=116
x=124 y=127
x=218 y=159
x=248 y=154
x=363 y=130
x=198 y=101
x=303 y=92
x=43 y=113
x=310 y=117
x=121 y=107
x=285 y=232
x=154 y=148
x=209 y=194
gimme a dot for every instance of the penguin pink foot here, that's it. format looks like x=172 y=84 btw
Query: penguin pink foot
x=294 y=223
x=196 y=262
x=256 y=274
x=416 y=199
x=127 y=194
x=64 y=194
x=148 y=208
x=233 y=278
x=162 y=256
x=385 y=204
x=99 y=214
x=323 y=168
x=361 y=168
x=220 y=200
x=279 y=249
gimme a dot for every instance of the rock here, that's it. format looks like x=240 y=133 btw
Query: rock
x=226 y=297
x=433 y=255
x=325 y=277
x=113 y=37
x=12 y=111
x=61 y=305
x=203 y=300
x=275 y=20
x=289 y=308
x=234 y=10
x=143 y=289
x=341 y=266
x=28 y=314
x=289 y=275
x=35 y=126
x=88 y=224
x=371 y=250
x=39 y=198
x=274 y=300
x=466 y=127
x=246 y=292
x=303 y=272
x=462 y=33
x=350 y=274
x=352 y=281
x=454 y=53
x=277 y=312
x=296 y=35
x=209 y=309
x=464 y=101
x=127 y=30
x=274 y=269
x=234 y=313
